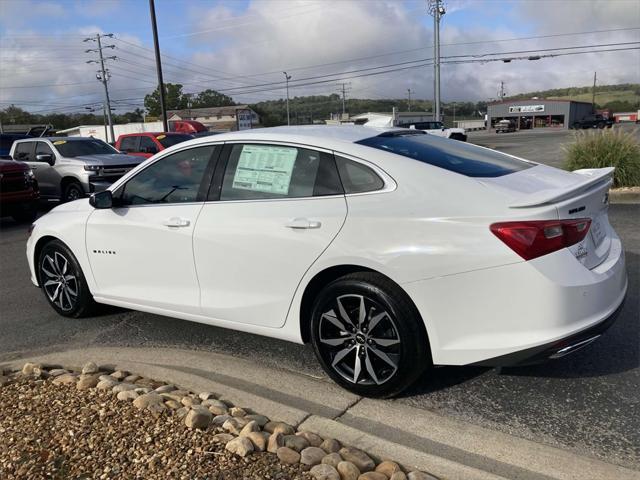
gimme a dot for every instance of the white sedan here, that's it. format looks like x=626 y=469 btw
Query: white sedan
x=389 y=250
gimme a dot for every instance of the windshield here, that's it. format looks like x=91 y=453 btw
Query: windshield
x=452 y=155
x=170 y=140
x=77 y=148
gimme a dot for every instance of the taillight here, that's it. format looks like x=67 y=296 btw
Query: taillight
x=532 y=239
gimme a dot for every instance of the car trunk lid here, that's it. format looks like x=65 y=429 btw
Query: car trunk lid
x=578 y=194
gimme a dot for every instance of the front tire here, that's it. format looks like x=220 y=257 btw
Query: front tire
x=368 y=335
x=72 y=191
x=63 y=282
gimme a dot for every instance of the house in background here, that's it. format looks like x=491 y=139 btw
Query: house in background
x=219 y=119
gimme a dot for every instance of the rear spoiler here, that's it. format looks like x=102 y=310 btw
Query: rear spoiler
x=592 y=176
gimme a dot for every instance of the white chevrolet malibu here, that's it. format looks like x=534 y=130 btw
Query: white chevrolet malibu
x=389 y=250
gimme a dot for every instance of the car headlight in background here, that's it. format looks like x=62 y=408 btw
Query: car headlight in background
x=92 y=168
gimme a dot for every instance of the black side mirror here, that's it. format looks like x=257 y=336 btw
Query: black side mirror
x=47 y=158
x=101 y=200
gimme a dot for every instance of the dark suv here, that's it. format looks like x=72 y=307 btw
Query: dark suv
x=593 y=121
x=19 y=193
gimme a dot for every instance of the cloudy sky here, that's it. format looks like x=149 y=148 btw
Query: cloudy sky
x=379 y=48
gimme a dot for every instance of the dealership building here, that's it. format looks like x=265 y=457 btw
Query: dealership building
x=538 y=113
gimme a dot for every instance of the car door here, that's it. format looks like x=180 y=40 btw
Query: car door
x=141 y=249
x=48 y=177
x=272 y=210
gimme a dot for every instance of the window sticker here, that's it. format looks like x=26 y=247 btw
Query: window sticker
x=265 y=169
x=59 y=142
x=160 y=137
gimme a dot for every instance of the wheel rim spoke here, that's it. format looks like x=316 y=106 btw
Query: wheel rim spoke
x=340 y=355
x=334 y=342
x=370 y=370
x=357 y=366
x=362 y=312
x=386 y=342
x=343 y=312
x=331 y=317
x=383 y=356
x=375 y=320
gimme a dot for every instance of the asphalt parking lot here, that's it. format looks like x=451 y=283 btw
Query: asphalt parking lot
x=588 y=402
x=544 y=145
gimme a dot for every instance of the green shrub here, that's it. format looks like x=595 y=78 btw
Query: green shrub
x=607 y=148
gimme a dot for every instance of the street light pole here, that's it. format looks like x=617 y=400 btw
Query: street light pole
x=437 y=10
x=287 y=77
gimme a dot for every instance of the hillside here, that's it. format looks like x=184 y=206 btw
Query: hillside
x=618 y=98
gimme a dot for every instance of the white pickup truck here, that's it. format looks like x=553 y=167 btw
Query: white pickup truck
x=437 y=128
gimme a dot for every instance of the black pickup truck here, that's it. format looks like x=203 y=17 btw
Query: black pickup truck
x=593 y=121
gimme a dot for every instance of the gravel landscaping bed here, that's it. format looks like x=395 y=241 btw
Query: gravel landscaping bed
x=59 y=424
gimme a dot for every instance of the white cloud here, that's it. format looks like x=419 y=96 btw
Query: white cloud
x=272 y=36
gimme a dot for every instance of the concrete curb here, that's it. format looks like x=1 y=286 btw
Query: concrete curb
x=418 y=439
x=624 y=195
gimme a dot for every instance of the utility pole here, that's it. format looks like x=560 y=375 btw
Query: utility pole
x=436 y=9
x=287 y=78
x=156 y=47
x=344 y=91
x=409 y=99
x=103 y=75
x=593 y=95
x=501 y=92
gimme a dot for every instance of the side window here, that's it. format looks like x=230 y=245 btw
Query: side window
x=129 y=144
x=147 y=145
x=256 y=172
x=174 y=179
x=43 y=149
x=358 y=178
x=24 y=152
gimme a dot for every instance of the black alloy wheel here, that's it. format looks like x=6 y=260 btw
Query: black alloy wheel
x=63 y=282
x=368 y=335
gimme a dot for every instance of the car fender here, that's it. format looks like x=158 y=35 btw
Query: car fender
x=66 y=223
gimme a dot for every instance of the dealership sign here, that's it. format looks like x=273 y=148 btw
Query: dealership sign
x=526 y=108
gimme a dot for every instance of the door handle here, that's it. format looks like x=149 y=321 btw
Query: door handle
x=176 y=222
x=303 y=223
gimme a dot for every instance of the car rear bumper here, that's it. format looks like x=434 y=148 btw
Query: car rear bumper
x=520 y=312
x=556 y=349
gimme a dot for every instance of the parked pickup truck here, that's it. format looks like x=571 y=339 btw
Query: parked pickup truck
x=593 y=121
x=68 y=168
x=438 y=129
x=18 y=191
x=148 y=143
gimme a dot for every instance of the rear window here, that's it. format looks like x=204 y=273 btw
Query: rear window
x=170 y=140
x=452 y=155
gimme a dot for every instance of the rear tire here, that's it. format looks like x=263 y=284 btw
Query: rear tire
x=368 y=335
x=62 y=281
x=72 y=191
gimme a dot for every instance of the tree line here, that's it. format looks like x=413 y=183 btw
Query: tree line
x=303 y=109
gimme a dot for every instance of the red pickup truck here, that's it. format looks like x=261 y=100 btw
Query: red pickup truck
x=19 y=193
x=149 y=143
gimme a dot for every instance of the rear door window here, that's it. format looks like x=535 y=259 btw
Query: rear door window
x=458 y=157
x=24 y=151
x=256 y=172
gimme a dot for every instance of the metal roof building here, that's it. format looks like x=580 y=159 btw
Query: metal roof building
x=538 y=112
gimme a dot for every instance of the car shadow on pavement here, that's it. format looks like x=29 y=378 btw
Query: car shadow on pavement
x=442 y=378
